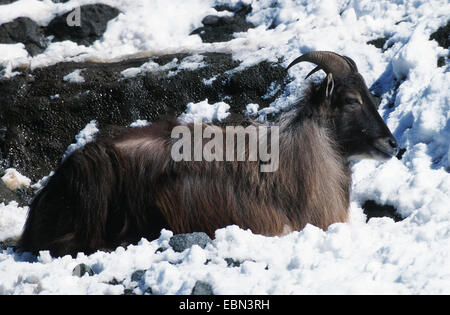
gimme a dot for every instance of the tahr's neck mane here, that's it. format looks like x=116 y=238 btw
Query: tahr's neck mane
x=313 y=169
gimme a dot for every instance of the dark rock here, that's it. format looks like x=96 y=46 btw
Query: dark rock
x=236 y=263
x=22 y=196
x=374 y=210
x=9 y=243
x=82 y=269
x=379 y=42
x=26 y=31
x=180 y=242
x=202 y=288
x=243 y=85
x=36 y=128
x=93 y=20
x=128 y=292
x=148 y=291
x=159 y=250
x=2 y=2
x=441 y=62
x=114 y=281
x=211 y=20
x=222 y=28
x=6 y=195
x=442 y=36
x=400 y=153
x=3 y=132
x=232 y=263
x=137 y=275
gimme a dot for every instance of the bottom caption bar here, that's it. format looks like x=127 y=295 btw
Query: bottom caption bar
x=225 y=304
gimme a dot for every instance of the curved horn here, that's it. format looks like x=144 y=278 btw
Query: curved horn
x=328 y=61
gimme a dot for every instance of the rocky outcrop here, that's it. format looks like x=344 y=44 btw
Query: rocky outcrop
x=221 y=28
x=26 y=31
x=93 y=20
x=92 y=24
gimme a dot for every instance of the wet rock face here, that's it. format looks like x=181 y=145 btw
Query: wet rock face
x=92 y=24
x=41 y=112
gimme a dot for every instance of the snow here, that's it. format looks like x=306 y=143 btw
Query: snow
x=358 y=257
x=42 y=182
x=189 y=63
x=143 y=26
x=140 y=123
x=203 y=111
x=14 y=180
x=210 y=81
x=84 y=136
x=12 y=218
x=251 y=109
x=74 y=77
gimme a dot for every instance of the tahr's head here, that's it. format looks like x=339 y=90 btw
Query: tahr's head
x=360 y=130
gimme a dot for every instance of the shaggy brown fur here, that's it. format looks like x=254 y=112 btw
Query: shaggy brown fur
x=115 y=191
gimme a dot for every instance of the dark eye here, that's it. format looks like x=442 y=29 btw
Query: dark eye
x=351 y=101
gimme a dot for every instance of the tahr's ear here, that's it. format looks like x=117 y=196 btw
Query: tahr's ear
x=330 y=86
